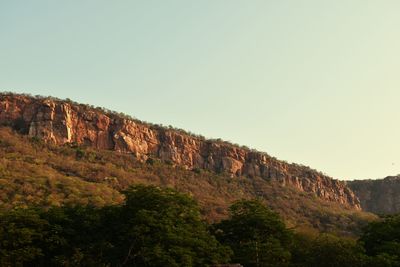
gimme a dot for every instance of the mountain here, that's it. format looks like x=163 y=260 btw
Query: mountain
x=57 y=152
x=60 y=122
x=381 y=196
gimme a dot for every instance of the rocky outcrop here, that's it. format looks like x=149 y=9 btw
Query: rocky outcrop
x=380 y=196
x=61 y=122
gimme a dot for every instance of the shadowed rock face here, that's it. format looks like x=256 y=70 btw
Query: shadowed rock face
x=61 y=122
x=380 y=196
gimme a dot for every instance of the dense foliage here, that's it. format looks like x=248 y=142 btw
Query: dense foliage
x=161 y=227
x=257 y=236
x=382 y=240
x=154 y=227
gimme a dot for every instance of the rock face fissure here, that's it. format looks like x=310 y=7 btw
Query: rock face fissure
x=381 y=196
x=61 y=122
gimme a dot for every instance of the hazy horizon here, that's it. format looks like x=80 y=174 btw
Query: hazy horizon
x=312 y=83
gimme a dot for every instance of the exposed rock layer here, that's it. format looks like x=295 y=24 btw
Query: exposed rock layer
x=63 y=122
x=380 y=196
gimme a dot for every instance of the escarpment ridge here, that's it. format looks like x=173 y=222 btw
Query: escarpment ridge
x=380 y=196
x=62 y=121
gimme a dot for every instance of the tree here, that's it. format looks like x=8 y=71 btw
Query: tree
x=155 y=227
x=328 y=251
x=79 y=237
x=257 y=235
x=381 y=240
x=21 y=234
x=161 y=227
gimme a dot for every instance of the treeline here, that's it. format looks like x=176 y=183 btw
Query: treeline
x=161 y=227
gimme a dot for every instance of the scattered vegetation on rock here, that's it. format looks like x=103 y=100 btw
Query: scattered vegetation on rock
x=33 y=173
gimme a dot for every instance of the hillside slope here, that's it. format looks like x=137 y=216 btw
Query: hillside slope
x=35 y=173
x=381 y=196
x=64 y=122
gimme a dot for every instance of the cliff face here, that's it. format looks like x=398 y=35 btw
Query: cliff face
x=61 y=122
x=380 y=196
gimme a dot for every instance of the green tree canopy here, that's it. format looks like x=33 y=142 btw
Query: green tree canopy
x=155 y=227
x=21 y=233
x=382 y=240
x=256 y=234
x=327 y=250
x=161 y=227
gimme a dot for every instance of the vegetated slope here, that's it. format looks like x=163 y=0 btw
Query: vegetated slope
x=35 y=173
x=381 y=196
x=64 y=122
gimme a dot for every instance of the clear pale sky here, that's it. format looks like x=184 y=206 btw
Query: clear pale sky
x=312 y=82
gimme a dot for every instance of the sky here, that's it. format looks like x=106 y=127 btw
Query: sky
x=312 y=82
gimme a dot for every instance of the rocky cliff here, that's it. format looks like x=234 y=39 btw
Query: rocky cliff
x=380 y=196
x=61 y=122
